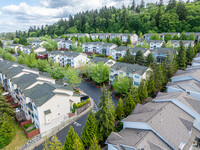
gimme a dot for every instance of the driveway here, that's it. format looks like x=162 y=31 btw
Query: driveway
x=95 y=94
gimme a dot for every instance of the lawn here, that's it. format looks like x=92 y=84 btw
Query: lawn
x=19 y=139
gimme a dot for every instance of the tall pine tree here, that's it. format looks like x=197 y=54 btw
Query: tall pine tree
x=181 y=57
x=90 y=130
x=105 y=115
x=119 y=112
x=70 y=139
x=142 y=90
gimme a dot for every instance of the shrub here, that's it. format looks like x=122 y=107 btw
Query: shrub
x=73 y=110
x=110 y=57
x=80 y=104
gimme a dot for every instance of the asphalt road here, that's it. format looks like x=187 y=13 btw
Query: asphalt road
x=95 y=94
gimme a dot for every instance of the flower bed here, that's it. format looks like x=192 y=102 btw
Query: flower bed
x=26 y=126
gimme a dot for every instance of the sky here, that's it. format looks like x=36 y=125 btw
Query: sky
x=21 y=14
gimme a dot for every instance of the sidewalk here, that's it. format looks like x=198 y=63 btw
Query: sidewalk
x=71 y=120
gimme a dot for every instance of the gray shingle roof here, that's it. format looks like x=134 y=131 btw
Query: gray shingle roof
x=130 y=68
x=187 y=124
x=121 y=48
x=25 y=80
x=100 y=59
x=13 y=71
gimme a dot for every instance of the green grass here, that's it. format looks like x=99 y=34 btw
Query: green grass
x=26 y=126
x=18 y=140
x=32 y=129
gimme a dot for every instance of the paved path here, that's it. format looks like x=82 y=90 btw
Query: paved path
x=95 y=94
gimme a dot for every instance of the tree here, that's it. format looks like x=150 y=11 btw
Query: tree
x=181 y=11
x=78 y=145
x=157 y=18
x=90 y=130
x=167 y=37
x=94 y=144
x=19 y=50
x=5 y=107
x=6 y=129
x=139 y=58
x=175 y=37
x=1 y=44
x=158 y=77
x=72 y=77
x=191 y=37
x=119 y=112
x=190 y=54
x=117 y=41
x=142 y=90
x=105 y=115
x=50 y=46
x=16 y=41
x=140 y=35
x=149 y=59
x=99 y=72
x=53 y=144
x=171 y=5
x=172 y=67
x=43 y=65
x=131 y=100
x=56 y=72
x=181 y=57
x=128 y=57
x=70 y=139
x=121 y=84
x=128 y=42
x=142 y=5
x=31 y=61
x=183 y=36
x=151 y=84
x=23 y=41
x=21 y=60
x=155 y=36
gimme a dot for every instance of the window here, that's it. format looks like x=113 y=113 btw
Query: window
x=136 y=83
x=127 y=74
x=137 y=76
x=36 y=117
x=111 y=70
x=121 y=73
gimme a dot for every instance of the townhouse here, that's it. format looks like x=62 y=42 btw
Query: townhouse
x=59 y=42
x=71 y=58
x=40 y=100
x=67 y=45
x=169 y=122
x=182 y=75
x=134 y=71
x=176 y=43
x=147 y=36
x=27 y=49
x=103 y=60
x=153 y=44
x=161 y=54
x=121 y=51
x=191 y=87
x=37 y=42
x=98 y=48
x=15 y=47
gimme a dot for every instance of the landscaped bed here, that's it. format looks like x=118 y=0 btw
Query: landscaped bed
x=26 y=126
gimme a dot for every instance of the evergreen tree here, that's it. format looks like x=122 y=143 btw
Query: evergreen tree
x=131 y=100
x=161 y=3
x=190 y=54
x=53 y=144
x=90 y=129
x=5 y=107
x=128 y=42
x=139 y=58
x=171 y=68
x=142 y=5
x=94 y=145
x=119 y=112
x=142 y=90
x=128 y=57
x=158 y=17
x=183 y=36
x=1 y=44
x=181 y=58
x=78 y=145
x=181 y=11
x=158 y=77
x=151 y=84
x=133 y=5
x=149 y=59
x=105 y=115
x=70 y=139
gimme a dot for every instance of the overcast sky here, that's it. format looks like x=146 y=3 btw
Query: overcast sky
x=21 y=14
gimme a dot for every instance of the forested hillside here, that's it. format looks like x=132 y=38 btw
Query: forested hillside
x=176 y=16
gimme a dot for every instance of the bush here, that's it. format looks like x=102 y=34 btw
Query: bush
x=100 y=55
x=32 y=129
x=26 y=126
x=110 y=57
x=73 y=110
x=80 y=104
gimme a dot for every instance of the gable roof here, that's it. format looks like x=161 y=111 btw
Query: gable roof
x=100 y=59
x=130 y=68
